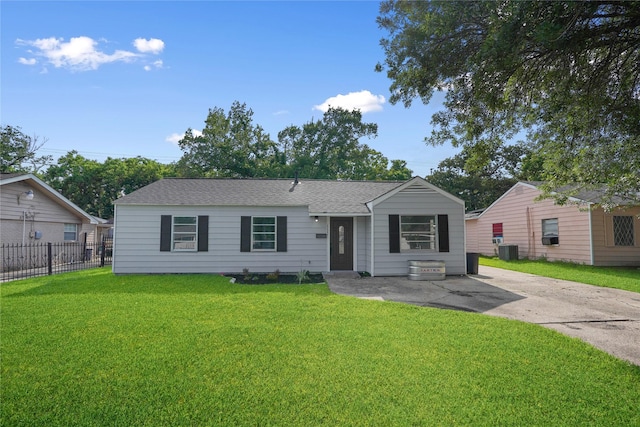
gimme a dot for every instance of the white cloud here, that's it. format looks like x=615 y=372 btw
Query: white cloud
x=281 y=113
x=78 y=54
x=174 y=138
x=156 y=64
x=25 y=61
x=364 y=101
x=154 y=46
x=83 y=53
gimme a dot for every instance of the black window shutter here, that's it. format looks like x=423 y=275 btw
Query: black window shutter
x=443 y=233
x=245 y=234
x=165 y=233
x=394 y=234
x=281 y=238
x=203 y=233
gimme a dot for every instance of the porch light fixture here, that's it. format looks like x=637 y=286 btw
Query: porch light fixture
x=316 y=218
x=28 y=195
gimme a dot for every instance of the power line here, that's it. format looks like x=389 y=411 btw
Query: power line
x=97 y=153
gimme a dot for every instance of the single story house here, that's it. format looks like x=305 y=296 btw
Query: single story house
x=578 y=231
x=178 y=225
x=33 y=212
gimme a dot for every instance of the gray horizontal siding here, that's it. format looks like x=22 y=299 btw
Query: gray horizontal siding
x=137 y=242
x=363 y=243
x=414 y=203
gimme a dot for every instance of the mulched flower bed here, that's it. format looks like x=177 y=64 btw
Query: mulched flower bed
x=261 y=279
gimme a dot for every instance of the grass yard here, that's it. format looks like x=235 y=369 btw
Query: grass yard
x=90 y=348
x=627 y=279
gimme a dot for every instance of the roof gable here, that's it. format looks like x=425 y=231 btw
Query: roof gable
x=416 y=185
x=39 y=185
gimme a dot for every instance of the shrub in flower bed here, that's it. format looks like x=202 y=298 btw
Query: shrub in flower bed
x=270 y=278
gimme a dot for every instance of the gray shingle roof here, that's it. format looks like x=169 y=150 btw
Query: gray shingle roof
x=587 y=195
x=321 y=196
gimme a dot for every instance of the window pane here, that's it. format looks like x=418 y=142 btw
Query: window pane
x=70 y=232
x=185 y=220
x=264 y=233
x=418 y=232
x=264 y=228
x=264 y=245
x=185 y=229
x=264 y=220
x=623 y=231
x=550 y=227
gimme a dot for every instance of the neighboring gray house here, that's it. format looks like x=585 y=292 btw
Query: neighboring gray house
x=33 y=212
x=225 y=225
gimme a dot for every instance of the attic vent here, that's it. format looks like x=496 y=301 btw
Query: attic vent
x=417 y=189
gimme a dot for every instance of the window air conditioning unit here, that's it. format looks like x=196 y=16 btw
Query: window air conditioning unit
x=550 y=240
x=497 y=240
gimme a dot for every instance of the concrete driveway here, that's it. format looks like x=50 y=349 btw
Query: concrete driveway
x=607 y=318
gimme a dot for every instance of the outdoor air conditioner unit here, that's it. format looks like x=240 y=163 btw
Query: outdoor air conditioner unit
x=508 y=252
x=550 y=240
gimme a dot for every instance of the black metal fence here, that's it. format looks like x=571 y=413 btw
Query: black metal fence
x=20 y=261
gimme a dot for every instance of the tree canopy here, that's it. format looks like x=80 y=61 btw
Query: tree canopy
x=330 y=148
x=481 y=182
x=231 y=145
x=566 y=73
x=93 y=186
x=18 y=151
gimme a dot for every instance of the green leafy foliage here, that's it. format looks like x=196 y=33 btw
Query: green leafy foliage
x=18 y=151
x=93 y=186
x=564 y=72
x=480 y=180
x=231 y=145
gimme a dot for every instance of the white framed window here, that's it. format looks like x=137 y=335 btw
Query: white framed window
x=263 y=233
x=70 y=232
x=623 y=232
x=418 y=232
x=185 y=233
x=550 y=231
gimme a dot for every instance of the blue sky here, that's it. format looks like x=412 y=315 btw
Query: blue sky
x=126 y=79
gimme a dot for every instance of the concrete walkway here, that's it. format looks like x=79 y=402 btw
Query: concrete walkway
x=607 y=318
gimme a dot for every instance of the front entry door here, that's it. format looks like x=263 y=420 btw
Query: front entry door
x=341 y=245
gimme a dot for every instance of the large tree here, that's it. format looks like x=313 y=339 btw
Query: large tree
x=18 y=151
x=480 y=182
x=93 y=186
x=231 y=145
x=567 y=73
x=330 y=148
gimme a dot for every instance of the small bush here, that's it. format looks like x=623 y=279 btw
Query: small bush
x=302 y=276
x=274 y=276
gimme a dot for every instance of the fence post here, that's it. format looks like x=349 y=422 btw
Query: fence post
x=102 y=251
x=84 y=247
x=49 y=259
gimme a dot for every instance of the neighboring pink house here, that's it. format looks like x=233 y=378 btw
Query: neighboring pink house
x=577 y=232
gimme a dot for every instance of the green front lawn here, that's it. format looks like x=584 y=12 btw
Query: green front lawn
x=91 y=348
x=627 y=279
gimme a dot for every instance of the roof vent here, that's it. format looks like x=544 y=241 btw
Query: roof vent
x=294 y=183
